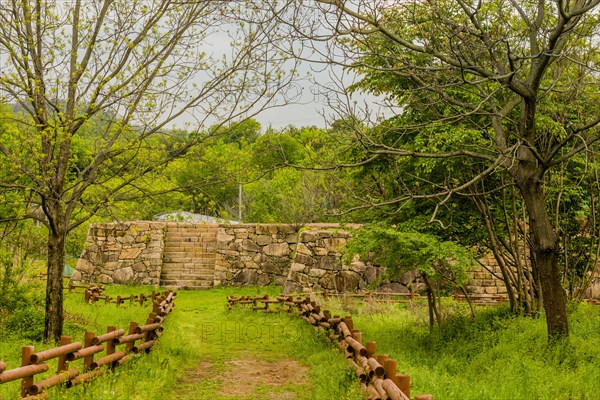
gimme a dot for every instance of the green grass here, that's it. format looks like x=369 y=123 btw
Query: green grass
x=200 y=330
x=494 y=356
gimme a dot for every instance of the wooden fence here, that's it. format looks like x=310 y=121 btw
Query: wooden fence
x=376 y=372
x=139 y=339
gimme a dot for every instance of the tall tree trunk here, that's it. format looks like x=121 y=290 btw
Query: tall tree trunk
x=528 y=174
x=54 y=286
x=545 y=250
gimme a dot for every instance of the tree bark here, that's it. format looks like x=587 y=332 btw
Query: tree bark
x=54 y=285
x=545 y=250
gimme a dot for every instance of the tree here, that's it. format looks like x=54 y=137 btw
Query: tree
x=128 y=70
x=440 y=263
x=503 y=86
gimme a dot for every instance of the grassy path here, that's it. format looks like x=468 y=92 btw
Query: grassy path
x=206 y=352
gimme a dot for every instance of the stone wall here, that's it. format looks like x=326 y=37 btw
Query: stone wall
x=122 y=252
x=488 y=281
x=254 y=254
x=317 y=264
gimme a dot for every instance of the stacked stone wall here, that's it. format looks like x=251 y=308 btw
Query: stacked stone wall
x=254 y=254
x=486 y=281
x=309 y=258
x=317 y=264
x=122 y=252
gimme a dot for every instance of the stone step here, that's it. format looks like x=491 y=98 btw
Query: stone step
x=188 y=234
x=187 y=279
x=190 y=264
x=188 y=254
x=199 y=271
x=193 y=240
x=207 y=229
x=195 y=264
x=203 y=278
x=177 y=248
x=187 y=260
x=176 y=287
x=186 y=282
x=189 y=241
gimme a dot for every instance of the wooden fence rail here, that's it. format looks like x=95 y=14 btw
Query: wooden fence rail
x=94 y=293
x=376 y=372
x=139 y=338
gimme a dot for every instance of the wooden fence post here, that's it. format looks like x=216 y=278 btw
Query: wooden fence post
x=27 y=381
x=87 y=342
x=110 y=346
x=62 y=359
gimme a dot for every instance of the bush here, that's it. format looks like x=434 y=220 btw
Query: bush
x=26 y=323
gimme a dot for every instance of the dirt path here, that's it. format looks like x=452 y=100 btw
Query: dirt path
x=246 y=377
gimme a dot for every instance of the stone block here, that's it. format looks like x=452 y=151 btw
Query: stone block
x=276 y=267
x=223 y=237
x=358 y=266
x=321 y=251
x=328 y=282
x=139 y=267
x=250 y=245
x=334 y=244
x=264 y=280
x=278 y=250
x=84 y=265
x=153 y=255
x=316 y=272
x=234 y=246
x=103 y=278
x=111 y=265
x=329 y=263
x=308 y=236
x=347 y=281
x=246 y=276
x=263 y=240
x=130 y=254
x=293 y=238
x=371 y=274
x=301 y=248
x=393 y=287
x=297 y=267
x=76 y=276
x=410 y=277
x=266 y=229
x=304 y=259
x=251 y=265
x=123 y=275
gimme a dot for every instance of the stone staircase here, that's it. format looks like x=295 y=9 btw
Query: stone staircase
x=189 y=256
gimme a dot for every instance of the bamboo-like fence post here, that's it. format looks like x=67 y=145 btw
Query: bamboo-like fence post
x=110 y=346
x=27 y=381
x=87 y=342
x=371 y=349
x=62 y=359
x=132 y=326
x=403 y=382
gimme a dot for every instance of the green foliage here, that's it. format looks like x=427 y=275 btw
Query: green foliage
x=290 y=196
x=495 y=355
x=400 y=251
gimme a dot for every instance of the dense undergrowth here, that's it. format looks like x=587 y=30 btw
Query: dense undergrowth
x=493 y=356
